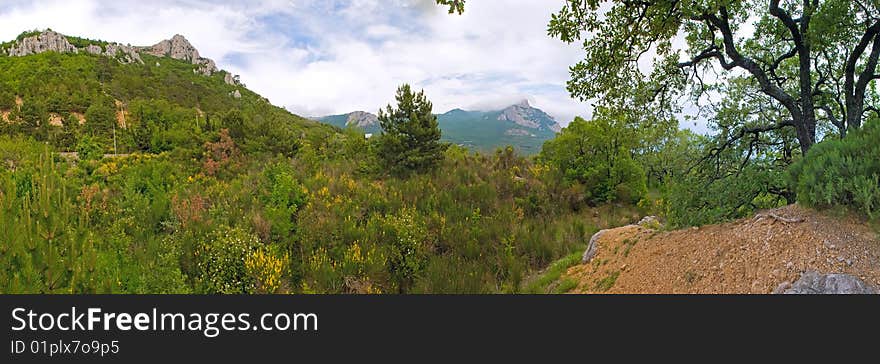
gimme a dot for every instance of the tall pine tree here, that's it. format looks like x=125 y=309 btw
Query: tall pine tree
x=410 y=141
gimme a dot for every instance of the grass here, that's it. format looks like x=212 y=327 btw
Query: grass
x=566 y=285
x=606 y=283
x=543 y=283
x=628 y=244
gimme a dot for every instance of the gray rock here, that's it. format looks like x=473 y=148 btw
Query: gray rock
x=179 y=48
x=593 y=248
x=236 y=94
x=94 y=49
x=650 y=222
x=47 y=41
x=231 y=80
x=812 y=282
x=782 y=287
x=362 y=119
x=123 y=53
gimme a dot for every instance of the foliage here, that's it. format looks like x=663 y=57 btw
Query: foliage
x=599 y=155
x=410 y=141
x=807 y=62
x=842 y=172
x=223 y=266
x=455 y=6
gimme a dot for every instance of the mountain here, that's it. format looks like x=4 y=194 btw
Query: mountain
x=178 y=47
x=365 y=121
x=522 y=126
x=160 y=95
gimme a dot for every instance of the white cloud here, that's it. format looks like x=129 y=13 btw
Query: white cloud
x=334 y=56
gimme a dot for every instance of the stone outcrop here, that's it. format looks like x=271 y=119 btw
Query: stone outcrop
x=812 y=282
x=179 y=48
x=123 y=53
x=647 y=222
x=231 y=80
x=47 y=41
x=50 y=41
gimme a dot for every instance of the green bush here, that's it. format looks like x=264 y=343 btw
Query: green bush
x=842 y=172
x=222 y=262
x=598 y=154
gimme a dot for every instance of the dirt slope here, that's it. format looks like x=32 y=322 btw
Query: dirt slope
x=754 y=255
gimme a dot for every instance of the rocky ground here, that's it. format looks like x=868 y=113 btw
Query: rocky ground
x=787 y=250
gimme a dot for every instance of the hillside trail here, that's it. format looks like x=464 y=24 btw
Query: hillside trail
x=762 y=254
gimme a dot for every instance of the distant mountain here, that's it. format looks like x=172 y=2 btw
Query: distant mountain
x=365 y=121
x=522 y=126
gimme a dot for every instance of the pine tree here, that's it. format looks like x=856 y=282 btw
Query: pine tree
x=410 y=141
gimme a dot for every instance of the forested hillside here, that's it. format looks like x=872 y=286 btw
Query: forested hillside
x=153 y=178
x=148 y=170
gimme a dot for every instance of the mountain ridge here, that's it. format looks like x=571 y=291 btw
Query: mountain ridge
x=177 y=47
x=519 y=125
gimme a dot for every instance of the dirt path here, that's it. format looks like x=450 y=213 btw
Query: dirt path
x=754 y=255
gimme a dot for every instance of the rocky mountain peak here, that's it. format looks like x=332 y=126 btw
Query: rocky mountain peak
x=51 y=41
x=362 y=119
x=47 y=41
x=178 y=47
x=525 y=115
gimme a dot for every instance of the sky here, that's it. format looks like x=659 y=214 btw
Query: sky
x=322 y=57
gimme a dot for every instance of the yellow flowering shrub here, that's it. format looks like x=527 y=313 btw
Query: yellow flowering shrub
x=267 y=269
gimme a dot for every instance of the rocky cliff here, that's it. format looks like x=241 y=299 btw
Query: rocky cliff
x=47 y=41
x=178 y=47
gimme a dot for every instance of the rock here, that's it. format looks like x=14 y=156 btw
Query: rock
x=525 y=115
x=782 y=287
x=94 y=49
x=650 y=222
x=231 y=80
x=123 y=53
x=593 y=248
x=179 y=48
x=362 y=119
x=236 y=94
x=812 y=282
x=47 y=41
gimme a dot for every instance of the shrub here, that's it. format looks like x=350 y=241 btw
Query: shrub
x=842 y=172
x=222 y=262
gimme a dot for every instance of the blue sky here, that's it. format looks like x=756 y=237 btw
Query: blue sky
x=318 y=57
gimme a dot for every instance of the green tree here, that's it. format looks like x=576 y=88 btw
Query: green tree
x=100 y=118
x=812 y=60
x=410 y=141
x=234 y=121
x=599 y=154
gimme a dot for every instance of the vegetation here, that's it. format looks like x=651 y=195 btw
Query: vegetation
x=842 y=172
x=153 y=178
x=410 y=139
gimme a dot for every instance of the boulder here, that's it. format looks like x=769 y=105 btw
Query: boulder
x=593 y=248
x=812 y=282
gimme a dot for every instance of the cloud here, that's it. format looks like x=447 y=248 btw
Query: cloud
x=333 y=56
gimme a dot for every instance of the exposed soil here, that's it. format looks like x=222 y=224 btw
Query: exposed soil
x=753 y=255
